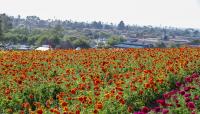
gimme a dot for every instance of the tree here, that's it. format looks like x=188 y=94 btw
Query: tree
x=97 y=25
x=101 y=45
x=196 y=33
x=113 y=40
x=55 y=35
x=195 y=42
x=160 y=45
x=1 y=31
x=6 y=22
x=121 y=25
x=82 y=43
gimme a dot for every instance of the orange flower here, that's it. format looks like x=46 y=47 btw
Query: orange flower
x=39 y=111
x=98 y=105
x=64 y=104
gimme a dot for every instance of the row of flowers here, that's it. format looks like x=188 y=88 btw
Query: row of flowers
x=91 y=81
x=185 y=99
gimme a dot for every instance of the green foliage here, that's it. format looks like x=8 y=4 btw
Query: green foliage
x=161 y=45
x=6 y=22
x=114 y=40
x=81 y=42
x=195 y=42
x=1 y=31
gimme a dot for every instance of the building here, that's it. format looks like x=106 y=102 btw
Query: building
x=180 y=41
x=133 y=45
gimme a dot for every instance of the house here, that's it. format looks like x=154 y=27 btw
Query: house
x=19 y=47
x=127 y=46
x=133 y=45
x=194 y=46
x=180 y=41
x=23 y=47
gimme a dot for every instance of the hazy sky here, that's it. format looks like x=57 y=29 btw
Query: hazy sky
x=177 y=13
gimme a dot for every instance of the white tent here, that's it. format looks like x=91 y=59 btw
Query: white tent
x=78 y=48
x=42 y=48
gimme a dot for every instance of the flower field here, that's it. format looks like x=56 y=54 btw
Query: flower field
x=106 y=81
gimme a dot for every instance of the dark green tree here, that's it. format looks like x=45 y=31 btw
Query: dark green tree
x=6 y=23
x=121 y=25
x=113 y=40
x=1 y=31
x=82 y=43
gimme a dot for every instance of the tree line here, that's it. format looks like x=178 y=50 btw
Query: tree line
x=34 y=31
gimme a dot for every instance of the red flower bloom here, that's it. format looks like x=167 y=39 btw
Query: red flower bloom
x=191 y=105
x=178 y=84
x=196 y=97
x=187 y=99
x=64 y=104
x=145 y=109
x=188 y=79
x=165 y=111
x=39 y=111
x=161 y=102
x=182 y=92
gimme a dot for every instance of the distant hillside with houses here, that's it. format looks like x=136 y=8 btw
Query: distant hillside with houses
x=35 y=32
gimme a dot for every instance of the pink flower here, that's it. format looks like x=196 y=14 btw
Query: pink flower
x=186 y=88
x=166 y=96
x=165 y=111
x=178 y=84
x=195 y=75
x=173 y=92
x=182 y=92
x=188 y=79
x=190 y=105
x=176 y=101
x=157 y=109
x=145 y=109
x=187 y=99
x=196 y=97
x=161 y=102
x=187 y=95
x=138 y=113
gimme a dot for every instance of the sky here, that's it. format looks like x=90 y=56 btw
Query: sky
x=175 y=13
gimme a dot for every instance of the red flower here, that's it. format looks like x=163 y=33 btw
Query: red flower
x=178 y=84
x=73 y=91
x=196 y=97
x=64 y=104
x=145 y=109
x=166 y=96
x=182 y=92
x=31 y=96
x=157 y=109
x=191 y=105
x=187 y=95
x=78 y=112
x=187 y=99
x=122 y=101
x=186 y=88
x=178 y=105
x=39 y=111
x=161 y=102
x=165 y=111
x=188 y=79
